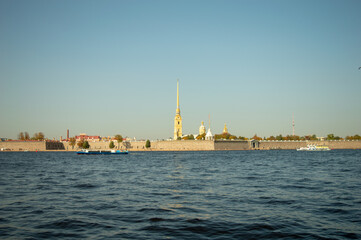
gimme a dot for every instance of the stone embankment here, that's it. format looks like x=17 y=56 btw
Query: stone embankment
x=189 y=145
x=31 y=145
x=183 y=145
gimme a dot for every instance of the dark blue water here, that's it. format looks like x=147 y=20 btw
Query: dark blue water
x=182 y=195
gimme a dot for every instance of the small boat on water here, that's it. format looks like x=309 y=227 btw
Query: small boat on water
x=103 y=152
x=314 y=148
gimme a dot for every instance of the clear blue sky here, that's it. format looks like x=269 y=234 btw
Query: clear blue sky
x=109 y=67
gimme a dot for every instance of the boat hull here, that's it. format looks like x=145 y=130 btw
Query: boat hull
x=87 y=152
x=314 y=148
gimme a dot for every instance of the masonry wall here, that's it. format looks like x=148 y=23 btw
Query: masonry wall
x=232 y=145
x=54 y=146
x=30 y=146
x=183 y=145
x=344 y=144
x=268 y=145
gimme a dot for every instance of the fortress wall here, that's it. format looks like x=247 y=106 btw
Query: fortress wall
x=264 y=145
x=232 y=145
x=344 y=144
x=31 y=145
x=54 y=146
x=23 y=145
x=183 y=145
x=131 y=146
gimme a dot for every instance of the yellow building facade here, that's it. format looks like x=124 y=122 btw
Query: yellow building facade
x=178 y=118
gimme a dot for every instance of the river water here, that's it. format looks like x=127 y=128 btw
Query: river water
x=181 y=195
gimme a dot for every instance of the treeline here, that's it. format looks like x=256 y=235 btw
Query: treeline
x=24 y=136
x=313 y=137
x=355 y=137
x=82 y=143
x=292 y=138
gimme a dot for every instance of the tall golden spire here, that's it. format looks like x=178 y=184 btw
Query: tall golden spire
x=178 y=118
x=178 y=109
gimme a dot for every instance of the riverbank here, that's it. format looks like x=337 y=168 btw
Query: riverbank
x=183 y=145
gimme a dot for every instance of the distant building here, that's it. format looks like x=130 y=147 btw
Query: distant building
x=202 y=129
x=85 y=137
x=209 y=135
x=225 y=130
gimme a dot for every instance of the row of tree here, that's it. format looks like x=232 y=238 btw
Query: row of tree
x=228 y=136
x=24 y=136
x=313 y=137
x=85 y=144
x=355 y=137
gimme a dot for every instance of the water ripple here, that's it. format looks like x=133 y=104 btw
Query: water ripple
x=181 y=195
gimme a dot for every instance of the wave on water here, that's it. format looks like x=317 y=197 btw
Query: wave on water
x=85 y=185
x=182 y=195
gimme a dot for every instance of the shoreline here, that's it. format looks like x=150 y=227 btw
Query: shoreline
x=185 y=145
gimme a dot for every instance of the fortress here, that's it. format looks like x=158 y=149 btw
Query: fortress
x=177 y=144
x=182 y=145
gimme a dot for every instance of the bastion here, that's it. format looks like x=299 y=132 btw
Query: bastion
x=177 y=145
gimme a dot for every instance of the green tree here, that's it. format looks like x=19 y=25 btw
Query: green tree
x=292 y=137
x=217 y=136
x=201 y=137
x=38 y=136
x=80 y=143
x=26 y=136
x=147 y=144
x=86 y=145
x=111 y=145
x=119 y=138
x=255 y=137
x=72 y=142
x=355 y=137
x=21 y=136
x=331 y=136
x=279 y=137
x=188 y=137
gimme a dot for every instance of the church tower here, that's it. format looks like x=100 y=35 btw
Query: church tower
x=178 y=118
x=225 y=130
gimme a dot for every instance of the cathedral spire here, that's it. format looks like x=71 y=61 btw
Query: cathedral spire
x=178 y=109
x=177 y=93
x=178 y=118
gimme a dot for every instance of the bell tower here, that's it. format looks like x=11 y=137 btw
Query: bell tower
x=178 y=118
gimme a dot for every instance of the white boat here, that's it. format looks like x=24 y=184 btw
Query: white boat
x=311 y=147
x=103 y=152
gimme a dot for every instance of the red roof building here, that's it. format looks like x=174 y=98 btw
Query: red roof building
x=84 y=137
